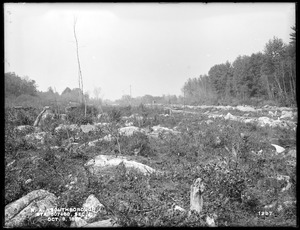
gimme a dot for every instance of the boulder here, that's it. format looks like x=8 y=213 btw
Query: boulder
x=87 y=128
x=292 y=153
x=33 y=204
x=36 y=137
x=210 y=221
x=72 y=127
x=94 y=142
x=278 y=148
x=273 y=114
x=102 y=162
x=178 y=208
x=156 y=130
x=245 y=108
x=78 y=222
x=129 y=131
x=93 y=207
x=286 y=114
x=229 y=116
x=263 y=121
x=24 y=129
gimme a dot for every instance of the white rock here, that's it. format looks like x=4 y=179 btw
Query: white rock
x=100 y=162
x=24 y=129
x=78 y=222
x=88 y=128
x=209 y=122
x=210 y=221
x=159 y=129
x=292 y=153
x=94 y=206
x=102 y=223
x=129 y=131
x=10 y=163
x=101 y=124
x=28 y=181
x=229 y=116
x=128 y=123
x=278 y=148
x=245 y=108
x=286 y=114
x=40 y=137
x=178 y=208
x=37 y=201
x=262 y=121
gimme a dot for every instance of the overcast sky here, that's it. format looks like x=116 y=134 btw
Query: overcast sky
x=153 y=47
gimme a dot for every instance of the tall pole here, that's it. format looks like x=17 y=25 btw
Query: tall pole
x=83 y=99
x=130 y=93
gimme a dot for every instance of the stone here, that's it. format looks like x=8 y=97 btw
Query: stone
x=87 y=128
x=245 y=108
x=128 y=123
x=278 y=148
x=292 y=153
x=210 y=221
x=263 y=121
x=24 y=129
x=78 y=222
x=229 y=116
x=101 y=162
x=34 y=203
x=178 y=208
x=129 y=131
x=94 y=206
x=36 y=137
x=209 y=122
x=156 y=130
x=286 y=114
x=102 y=223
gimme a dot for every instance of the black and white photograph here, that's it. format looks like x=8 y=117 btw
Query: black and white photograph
x=178 y=114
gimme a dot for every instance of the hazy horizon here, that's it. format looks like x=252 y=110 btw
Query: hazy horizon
x=152 y=47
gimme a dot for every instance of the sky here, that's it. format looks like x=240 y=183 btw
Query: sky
x=150 y=48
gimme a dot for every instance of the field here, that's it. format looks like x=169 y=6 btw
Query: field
x=247 y=181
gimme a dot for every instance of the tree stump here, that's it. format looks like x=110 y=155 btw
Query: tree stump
x=196 y=199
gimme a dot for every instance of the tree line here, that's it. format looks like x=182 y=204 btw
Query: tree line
x=264 y=76
x=268 y=76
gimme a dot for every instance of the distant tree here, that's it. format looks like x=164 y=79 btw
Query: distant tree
x=97 y=92
x=219 y=75
x=50 y=90
x=293 y=36
x=274 y=54
x=67 y=90
x=16 y=86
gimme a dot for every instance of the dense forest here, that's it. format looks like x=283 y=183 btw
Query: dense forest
x=263 y=77
x=268 y=76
